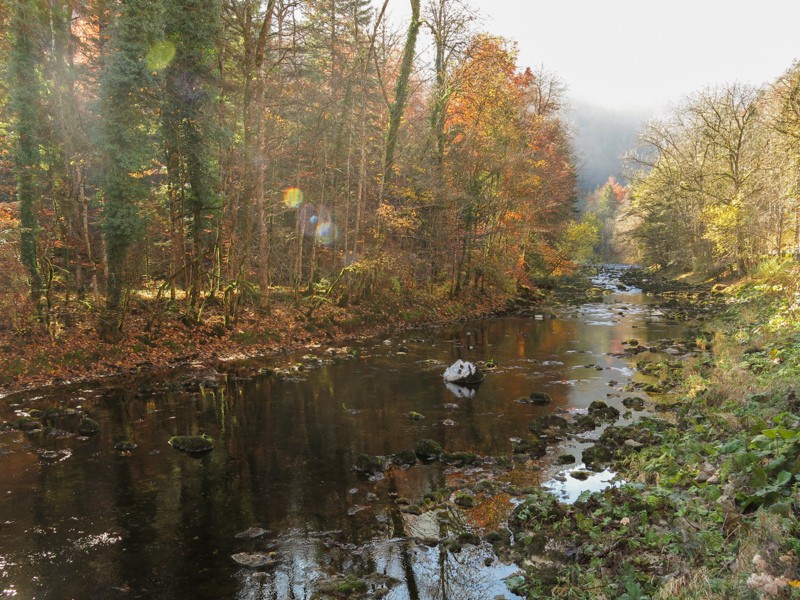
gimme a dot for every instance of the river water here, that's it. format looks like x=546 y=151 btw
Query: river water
x=81 y=519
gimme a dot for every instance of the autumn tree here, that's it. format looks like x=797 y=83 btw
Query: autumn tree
x=703 y=183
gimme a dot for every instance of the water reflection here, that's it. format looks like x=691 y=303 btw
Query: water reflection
x=91 y=521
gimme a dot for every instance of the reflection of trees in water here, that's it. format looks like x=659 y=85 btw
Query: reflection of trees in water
x=419 y=572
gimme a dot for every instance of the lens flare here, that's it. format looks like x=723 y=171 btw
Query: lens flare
x=292 y=197
x=160 y=55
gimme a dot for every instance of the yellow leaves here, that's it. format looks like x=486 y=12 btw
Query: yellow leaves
x=399 y=220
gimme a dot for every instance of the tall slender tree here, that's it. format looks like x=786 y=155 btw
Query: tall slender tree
x=193 y=29
x=26 y=90
x=128 y=105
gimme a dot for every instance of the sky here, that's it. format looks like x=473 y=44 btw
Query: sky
x=647 y=54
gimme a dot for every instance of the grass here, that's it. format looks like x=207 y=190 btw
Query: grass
x=712 y=510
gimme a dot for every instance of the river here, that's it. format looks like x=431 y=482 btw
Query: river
x=82 y=519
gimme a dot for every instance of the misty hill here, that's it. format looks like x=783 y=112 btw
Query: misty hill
x=602 y=135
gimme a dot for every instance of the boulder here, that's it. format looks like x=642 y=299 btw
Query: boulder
x=463 y=373
x=193 y=444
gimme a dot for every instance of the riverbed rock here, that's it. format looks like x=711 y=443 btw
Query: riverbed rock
x=405 y=458
x=23 y=424
x=251 y=533
x=540 y=398
x=463 y=373
x=193 y=444
x=535 y=448
x=254 y=560
x=427 y=449
x=88 y=426
x=549 y=424
x=369 y=464
x=601 y=411
x=460 y=458
x=583 y=423
x=634 y=403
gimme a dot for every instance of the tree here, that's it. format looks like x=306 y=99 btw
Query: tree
x=188 y=115
x=26 y=91
x=128 y=100
x=401 y=90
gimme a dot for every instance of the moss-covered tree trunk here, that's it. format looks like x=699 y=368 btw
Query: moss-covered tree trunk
x=25 y=63
x=401 y=91
x=128 y=108
x=193 y=28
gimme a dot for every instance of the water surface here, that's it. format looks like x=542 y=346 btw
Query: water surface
x=79 y=519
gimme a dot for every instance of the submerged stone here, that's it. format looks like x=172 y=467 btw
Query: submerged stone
x=548 y=423
x=24 y=424
x=252 y=560
x=88 y=426
x=125 y=446
x=251 y=533
x=540 y=398
x=193 y=444
x=634 y=403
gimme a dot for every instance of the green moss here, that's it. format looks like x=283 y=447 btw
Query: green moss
x=193 y=444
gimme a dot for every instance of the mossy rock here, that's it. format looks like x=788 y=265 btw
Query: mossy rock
x=54 y=413
x=415 y=416
x=349 y=587
x=35 y=413
x=465 y=500
x=193 y=444
x=601 y=411
x=540 y=398
x=566 y=459
x=548 y=423
x=597 y=456
x=634 y=403
x=584 y=423
x=24 y=424
x=369 y=464
x=428 y=449
x=405 y=457
x=125 y=446
x=533 y=448
x=88 y=426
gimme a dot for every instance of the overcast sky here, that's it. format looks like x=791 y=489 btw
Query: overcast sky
x=648 y=53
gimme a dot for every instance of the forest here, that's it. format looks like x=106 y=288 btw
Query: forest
x=171 y=157
x=240 y=242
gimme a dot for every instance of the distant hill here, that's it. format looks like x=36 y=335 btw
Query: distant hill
x=602 y=136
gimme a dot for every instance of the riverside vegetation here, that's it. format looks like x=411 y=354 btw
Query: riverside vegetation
x=709 y=505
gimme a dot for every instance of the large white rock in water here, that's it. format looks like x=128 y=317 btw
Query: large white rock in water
x=463 y=372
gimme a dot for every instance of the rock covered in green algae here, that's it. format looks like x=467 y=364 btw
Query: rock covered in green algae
x=427 y=449
x=599 y=410
x=193 y=444
x=88 y=426
x=367 y=463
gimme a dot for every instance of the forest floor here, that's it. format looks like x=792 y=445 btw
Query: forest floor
x=33 y=355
